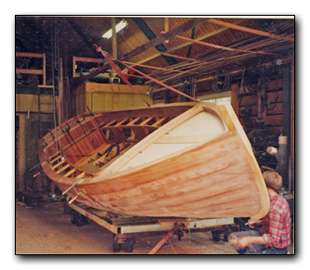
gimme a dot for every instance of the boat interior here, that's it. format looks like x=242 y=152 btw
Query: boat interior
x=87 y=144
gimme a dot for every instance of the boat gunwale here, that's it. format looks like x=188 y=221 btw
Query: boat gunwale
x=231 y=124
x=106 y=173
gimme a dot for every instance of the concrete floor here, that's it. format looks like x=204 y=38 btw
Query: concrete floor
x=46 y=230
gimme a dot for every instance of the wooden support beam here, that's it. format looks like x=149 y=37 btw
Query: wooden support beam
x=180 y=57
x=220 y=47
x=160 y=39
x=30 y=55
x=213 y=33
x=29 y=71
x=114 y=40
x=250 y=30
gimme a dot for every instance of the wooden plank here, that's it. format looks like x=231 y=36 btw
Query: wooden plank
x=29 y=71
x=232 y=122
x=221 y=47
x=88 y=59
x=146 y=121
x=274 y=120
x=250 y=30
x=70 y=172
x=161 y=38
x=213 y=33
x=31 y=55
x=59 y=163
x=133 y=121
x=180 y=57
x=63 y=168
x=157 y=123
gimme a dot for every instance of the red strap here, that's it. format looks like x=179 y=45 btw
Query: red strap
x=110 y=58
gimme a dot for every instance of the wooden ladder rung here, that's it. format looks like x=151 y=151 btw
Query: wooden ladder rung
x=63 y=168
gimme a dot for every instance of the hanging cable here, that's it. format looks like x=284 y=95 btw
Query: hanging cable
x=110 y=58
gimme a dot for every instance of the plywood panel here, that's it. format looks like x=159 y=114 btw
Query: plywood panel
x=106 y=97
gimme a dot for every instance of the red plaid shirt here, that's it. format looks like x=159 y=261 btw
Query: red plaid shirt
x=276 y=228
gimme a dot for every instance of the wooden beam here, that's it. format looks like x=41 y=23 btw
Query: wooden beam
x=29 y=71
x=218 y=31
x=31 y=55
x=220 y=47
x=250 y=30
x=114 y=40
x=181 y=57
x=160 y=39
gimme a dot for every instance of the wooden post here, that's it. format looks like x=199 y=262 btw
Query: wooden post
x=234 y=98
x=114 y=40
x=61 y=93
x=44 y=69
x=166 y=28
x=21 y=151
x=292 y=138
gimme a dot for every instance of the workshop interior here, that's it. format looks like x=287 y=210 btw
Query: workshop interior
x=150 y=134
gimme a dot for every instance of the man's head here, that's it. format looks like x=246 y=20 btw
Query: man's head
x=273 y=180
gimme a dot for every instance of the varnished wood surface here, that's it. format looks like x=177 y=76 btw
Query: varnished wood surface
x=212 y=178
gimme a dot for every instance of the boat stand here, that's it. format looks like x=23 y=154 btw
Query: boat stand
x=126 y=228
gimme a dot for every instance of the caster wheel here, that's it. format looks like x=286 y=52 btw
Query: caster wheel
x=116 y=246
x=75 y=218
x=128 y=245
x=216 y=236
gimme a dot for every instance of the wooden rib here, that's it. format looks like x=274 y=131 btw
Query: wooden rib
x=82 y=162
x=58 y=164
x=133 y=121
x=80 y=175
x=70 y=172
x=250 y=30
x=63 y=168
x=146 y=121
x=221 y=47
x=109 y=124
x=156 y=124
x=56 y=158
x=121 y=122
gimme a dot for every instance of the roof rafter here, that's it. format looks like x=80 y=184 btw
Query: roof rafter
x=220 y=47
x=161 y=38
x=250 y=30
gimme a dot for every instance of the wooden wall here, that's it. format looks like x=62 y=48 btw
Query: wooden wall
x=106 y=97
x=272 y=115
x=28 y=133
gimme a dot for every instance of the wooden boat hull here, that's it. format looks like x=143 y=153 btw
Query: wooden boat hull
x=210 y=176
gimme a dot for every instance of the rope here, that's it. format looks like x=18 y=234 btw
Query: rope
x=109 y=58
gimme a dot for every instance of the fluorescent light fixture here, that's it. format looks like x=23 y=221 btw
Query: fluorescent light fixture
x=121 y=25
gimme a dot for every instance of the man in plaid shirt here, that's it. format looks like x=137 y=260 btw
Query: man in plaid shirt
x=275 y=234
